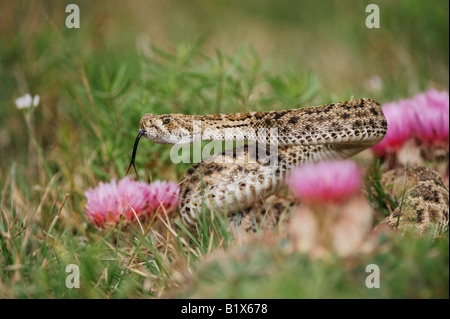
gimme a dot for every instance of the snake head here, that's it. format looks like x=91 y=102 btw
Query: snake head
x=167 y=128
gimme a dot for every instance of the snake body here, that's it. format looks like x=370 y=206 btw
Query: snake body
x=278 y=141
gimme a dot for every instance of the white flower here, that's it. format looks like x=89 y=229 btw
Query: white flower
x=375 y=83
x=26 y=101
x=36 y=100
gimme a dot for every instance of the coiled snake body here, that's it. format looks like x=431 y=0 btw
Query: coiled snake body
x=278 y=141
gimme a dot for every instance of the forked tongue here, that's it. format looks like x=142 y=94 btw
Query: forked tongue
x=133 y=156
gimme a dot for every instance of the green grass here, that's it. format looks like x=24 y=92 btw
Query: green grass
x=376 y=193
x=266 y=269
x=95 y=84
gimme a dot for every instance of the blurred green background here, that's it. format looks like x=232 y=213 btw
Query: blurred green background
x=134 y=57
x=328 y=39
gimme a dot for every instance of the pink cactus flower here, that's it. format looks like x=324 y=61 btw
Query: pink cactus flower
x=163 y=196
x=438 y=100
x=325 y=182
x=430 y=117
x=108 y=201
x=425 y=117
x=399 y=127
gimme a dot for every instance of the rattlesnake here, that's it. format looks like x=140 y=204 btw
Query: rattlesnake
x=236 y=179
x=423 y=198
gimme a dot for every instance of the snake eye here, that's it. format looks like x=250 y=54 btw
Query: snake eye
x=166 y=120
